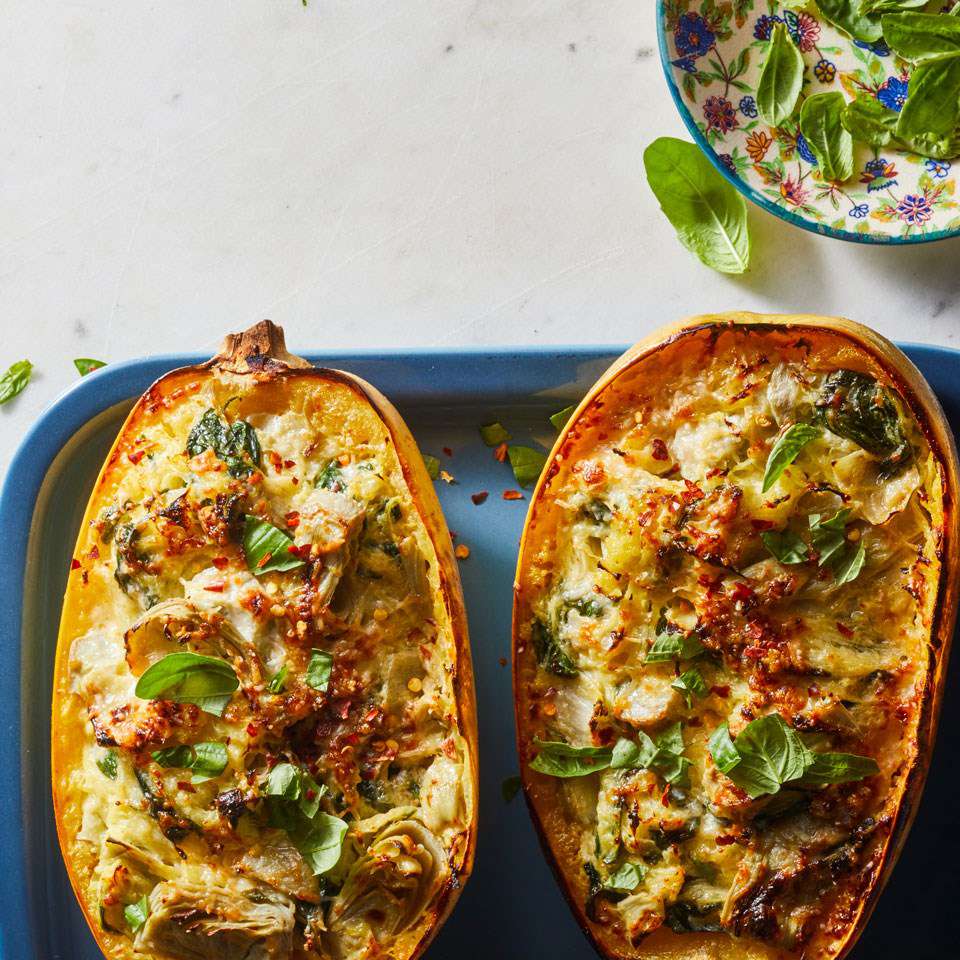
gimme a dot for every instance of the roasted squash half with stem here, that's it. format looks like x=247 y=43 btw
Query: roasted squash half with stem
x=264 y=734
x=734 y=602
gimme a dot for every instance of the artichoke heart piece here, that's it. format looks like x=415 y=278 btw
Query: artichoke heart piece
x=264 y=732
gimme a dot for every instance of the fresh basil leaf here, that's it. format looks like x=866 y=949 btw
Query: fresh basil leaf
x=691 y=684
x=828 y=537
x=267 y=548
x=849 y=567
x=527 y=464
x=279 y=680
x=919 y=37
x=432 y=464
x=827 y=768
x=709 y=215
x=821 y=123
x=868 y=7
x=627 y=877
x=86 y=365
x=310 y=794
x=189 y=678
x=179 y=756
x=786 y=450
x=321 y=846
x=330 y=477
x=846 y=15
x=108 y=764
x=136 y=914
x=549 y=653
x=283 y=781
x=556 y=759
x=868 y=120
x=932 y=110
x=210 y=761
x=15 y=380
x=493 y=434
x=235 y=444
x=560 y=418
x=630 y=755
x=319 y=669
x=722 y=750
x=770 y=754
x=510 y=787
x=669 y=761
x=785 y=546
x=781 y=79
x=674 y=646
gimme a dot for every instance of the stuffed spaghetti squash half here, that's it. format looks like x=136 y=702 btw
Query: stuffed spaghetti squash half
x=263 y=720
x=734 y=601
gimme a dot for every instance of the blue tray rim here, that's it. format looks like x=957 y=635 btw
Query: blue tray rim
x=39 y=447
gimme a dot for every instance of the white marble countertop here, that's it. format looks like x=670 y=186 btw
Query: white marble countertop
x=368 y=173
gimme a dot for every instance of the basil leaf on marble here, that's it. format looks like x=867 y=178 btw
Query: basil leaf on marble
x=709 y=215
x=87 y=365
x=15 y=380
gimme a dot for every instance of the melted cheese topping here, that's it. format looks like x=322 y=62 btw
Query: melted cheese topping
x=377 y=750
x=652 y=525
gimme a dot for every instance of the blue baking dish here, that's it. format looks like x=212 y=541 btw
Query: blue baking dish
x=512 y=907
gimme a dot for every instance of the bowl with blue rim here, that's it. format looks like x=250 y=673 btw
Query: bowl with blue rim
x=713 y=52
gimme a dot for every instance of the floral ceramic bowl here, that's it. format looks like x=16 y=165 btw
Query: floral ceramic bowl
x=712 y=51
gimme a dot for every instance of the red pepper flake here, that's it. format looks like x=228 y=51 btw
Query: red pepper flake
x=275 y=461
x=479 y=498
x=289 y=463
x=844 y=630
x=311 y=794
x=660 y=451
x=265 y=559
x=665 y=796
x=725 y=839
x=512 y=495
x=371 y=715
x=762 y=524
x=215 y=586
x=692 y=493
x=503 y=661
x=74 y=564
x=94 y=554
x=221 y=563
x=500 y=453
x=343 y=711
x=135 y=457
x=294 y=480
x=292 y=519
x=448 y=451
x=252 y=729
x=721 y=691
x=186 y=786
x=343 y=459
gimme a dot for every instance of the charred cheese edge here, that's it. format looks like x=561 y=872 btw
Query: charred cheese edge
x=651 y=609
x=326 y=807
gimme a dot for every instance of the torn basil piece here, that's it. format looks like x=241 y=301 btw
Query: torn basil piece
x=189 y=678
x=267 y=548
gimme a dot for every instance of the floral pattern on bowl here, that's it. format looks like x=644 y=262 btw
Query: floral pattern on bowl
x=712 y=51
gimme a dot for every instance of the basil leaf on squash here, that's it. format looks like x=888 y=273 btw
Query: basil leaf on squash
x=493 y=434
x=627 y=877
x=319 y=669
x=722 y=750
x=821 y=123
x=846 y=15
x=664 y=755
x=828 y=768
x=136 y=914
x=279 y=680
x=330 y=477
x=669 y=646
x=691 y=684
x=266 y=547
x=236 y=444
x=630 y=755
x=828 y=536
x=849 y=567
x=785 y=546
x=781 y=79
x=527 y=464
x=786 y=450
x=560 y=418
x=321 y=845
x=709 y=215
x=108 y=764
x=919 y=37
x=550 y=654
x=556 y=759
x=87 y=365
x=189 y=678
x=15 y=380
x=206 y=759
